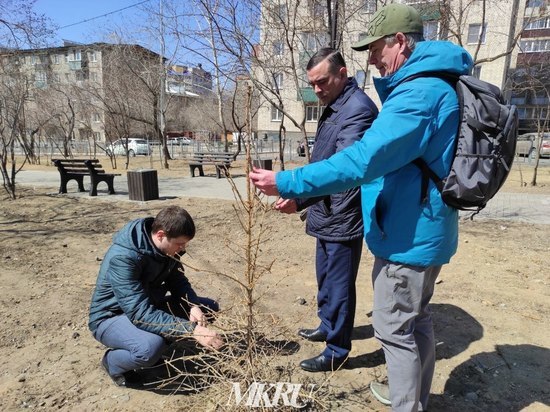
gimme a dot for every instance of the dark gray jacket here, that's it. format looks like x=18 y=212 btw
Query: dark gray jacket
x=134 y=278
x=337 y=218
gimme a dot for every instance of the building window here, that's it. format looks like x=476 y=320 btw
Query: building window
x=522 y=112
x=360 y=77
x=73 y=56
x=278 y=48
x=40 y=77
x=93 y=56
x=96 y=117
x=536 y=3
x=56 y=59
x=431 y=30
x=314 y=41
x=276 y=114
x=537 y=24
x=319 y=9
x=93 y=76
x=56 y=78
x=313 y=113
x=369 y=6
x=96 y=136
x=543 y=113
x=534 y=46
x=278 y=81
x=281 y=12
x=363 y=77
x=541 y=98
x=476 y=33
x=476 y=72
x=517 y=99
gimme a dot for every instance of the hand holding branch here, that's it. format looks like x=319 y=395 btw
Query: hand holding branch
x=264 y=180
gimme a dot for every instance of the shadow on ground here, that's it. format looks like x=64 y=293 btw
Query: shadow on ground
x=510 y=378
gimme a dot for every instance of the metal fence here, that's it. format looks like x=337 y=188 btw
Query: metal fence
x=260 y=148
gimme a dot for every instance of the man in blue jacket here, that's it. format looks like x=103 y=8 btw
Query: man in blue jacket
x=131 y=311
x=335 y=220
x=410 y=239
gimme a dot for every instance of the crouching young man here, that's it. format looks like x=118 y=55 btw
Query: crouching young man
x=142 y=297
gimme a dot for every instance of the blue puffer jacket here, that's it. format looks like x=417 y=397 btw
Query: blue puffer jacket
x=419 y=118
x=337 y=218
x=133 y=279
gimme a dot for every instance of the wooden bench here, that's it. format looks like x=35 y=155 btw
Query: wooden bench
x=221 y=160
x=76 y=169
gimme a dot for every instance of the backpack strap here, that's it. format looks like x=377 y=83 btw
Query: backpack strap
x=427 y=173
x=448 y=77
x=476 y=124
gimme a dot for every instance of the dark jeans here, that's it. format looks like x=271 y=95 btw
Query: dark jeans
x=336 y=265
x=133 y=348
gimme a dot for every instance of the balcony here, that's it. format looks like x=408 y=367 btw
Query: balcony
x=307 y=95
x=75 y=64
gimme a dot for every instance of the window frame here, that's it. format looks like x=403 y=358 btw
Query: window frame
x=276 y=114
x=480 y=34
x=314 y=112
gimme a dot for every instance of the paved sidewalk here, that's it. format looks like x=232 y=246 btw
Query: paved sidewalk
x=529 y=208
x=169 y=187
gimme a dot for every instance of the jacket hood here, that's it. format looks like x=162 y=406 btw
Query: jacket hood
x=428 y=56
x=136 y=235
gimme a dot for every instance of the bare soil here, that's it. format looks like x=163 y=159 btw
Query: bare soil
x=491 y=307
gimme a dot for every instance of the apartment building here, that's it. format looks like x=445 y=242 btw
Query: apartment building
x=530 y=67
x=97 y=92
x=488 y=29
x=189 y=81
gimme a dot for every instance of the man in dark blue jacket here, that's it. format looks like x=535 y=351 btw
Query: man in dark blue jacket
x=131 y=311
x=335 y=220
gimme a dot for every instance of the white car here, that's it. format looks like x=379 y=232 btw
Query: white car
x=135 y=147
x=526 y=145
x=185 y=141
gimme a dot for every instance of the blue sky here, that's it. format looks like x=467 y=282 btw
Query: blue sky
x=103 y=16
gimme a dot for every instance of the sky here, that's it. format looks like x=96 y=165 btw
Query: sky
x=88 y=21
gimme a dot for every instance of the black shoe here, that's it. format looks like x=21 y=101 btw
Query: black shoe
x=321 y=363
x=130 y=379
x=314 y=335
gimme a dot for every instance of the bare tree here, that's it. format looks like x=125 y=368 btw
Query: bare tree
x=530 y=84
x=19 y=26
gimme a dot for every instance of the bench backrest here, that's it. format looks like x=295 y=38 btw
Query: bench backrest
x=94 y=167
x=213 y=156
x=79 y=166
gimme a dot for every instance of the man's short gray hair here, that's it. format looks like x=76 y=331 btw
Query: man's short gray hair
x=412 y=39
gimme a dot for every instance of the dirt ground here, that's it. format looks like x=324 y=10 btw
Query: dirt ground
x=491 y=307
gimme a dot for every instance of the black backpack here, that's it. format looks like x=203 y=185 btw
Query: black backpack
x=485 y=145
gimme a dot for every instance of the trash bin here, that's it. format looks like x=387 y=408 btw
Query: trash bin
x=264 y=164
x=143 y=184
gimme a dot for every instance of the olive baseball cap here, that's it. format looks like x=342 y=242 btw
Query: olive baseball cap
x=388 y=20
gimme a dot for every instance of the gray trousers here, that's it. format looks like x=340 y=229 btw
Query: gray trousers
x=402 y=323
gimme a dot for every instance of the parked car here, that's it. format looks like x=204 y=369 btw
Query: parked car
x=135 y=147
x=179 y=141
x=301 y=149
x=527 y=142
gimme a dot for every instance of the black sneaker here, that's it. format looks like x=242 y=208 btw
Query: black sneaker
x=130 y=379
